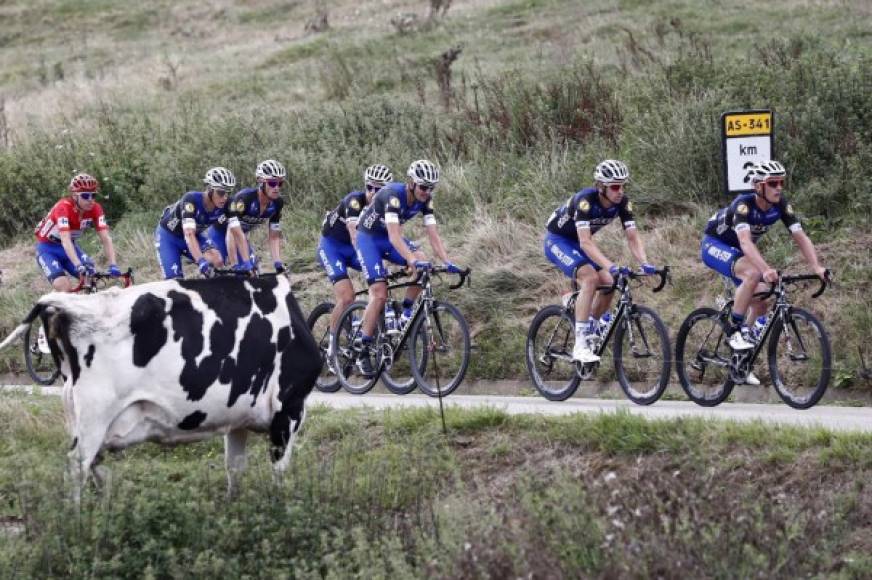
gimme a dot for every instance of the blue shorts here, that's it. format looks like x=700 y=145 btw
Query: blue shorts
x=371 y=250
x=218 y=238
x=336 y=258
x=170 y=248
x=53 y=260
x=566 y=254
x=720 y=257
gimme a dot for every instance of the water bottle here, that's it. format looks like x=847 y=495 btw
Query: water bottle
x=390 y=318
x=759 y=325
x=604 y=322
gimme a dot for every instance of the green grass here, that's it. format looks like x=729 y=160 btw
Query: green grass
x=388 y=493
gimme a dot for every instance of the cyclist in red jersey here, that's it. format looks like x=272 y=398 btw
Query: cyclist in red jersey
x=57 y=250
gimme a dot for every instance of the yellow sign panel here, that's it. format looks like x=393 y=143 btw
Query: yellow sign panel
x=741 y=124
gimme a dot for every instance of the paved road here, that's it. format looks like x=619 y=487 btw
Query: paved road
x=835 y=418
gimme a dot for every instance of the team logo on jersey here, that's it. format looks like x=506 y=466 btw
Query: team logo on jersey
x=222 y=218
x=742 y=209
x=584 y=205
x=395 y=202
x=240 y=206
x=189 y=207
x=354 y=204
x=63 y=222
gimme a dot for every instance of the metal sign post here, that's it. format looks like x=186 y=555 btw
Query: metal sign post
x=746 y=138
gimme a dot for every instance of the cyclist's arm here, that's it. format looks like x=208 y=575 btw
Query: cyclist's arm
x=237 y=241
x=108 y=247
x=69 y=247
x=590 y=248
x=436 y=242
x=192 y=242
x=637 y=248
x=352 y=232
x=749 y=248
x=808 y=252
x=395 y=235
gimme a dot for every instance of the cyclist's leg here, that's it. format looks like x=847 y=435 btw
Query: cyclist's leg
x=169 y=250
x=369 y=255
x=602 y=300
x=391 y=254
x=218 y=240
x=732 y=263
x=336 y=258
x=566 y=254
x=54 y=263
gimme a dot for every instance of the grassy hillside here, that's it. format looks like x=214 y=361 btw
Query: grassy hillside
x=498 y=497
x=149 y=95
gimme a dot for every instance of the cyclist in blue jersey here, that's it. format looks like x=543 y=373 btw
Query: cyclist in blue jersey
x=249 y=208
x=380 y=237
x=181 y=231
x=337 y=246
x=569 y=245
x=730 y=246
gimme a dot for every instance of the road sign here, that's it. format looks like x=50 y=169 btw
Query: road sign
x=746 y=138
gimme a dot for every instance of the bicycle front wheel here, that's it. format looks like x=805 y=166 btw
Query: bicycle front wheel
x=319 y=324
x=549 y=353
x=40 y=365
x=800 y=358
x=641 y=351
x=439 y=349
x=702 y=358
x=346 y=351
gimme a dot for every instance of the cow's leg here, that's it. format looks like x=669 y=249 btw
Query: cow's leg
x=234 y=459
x=86 y=445
x=283 y=432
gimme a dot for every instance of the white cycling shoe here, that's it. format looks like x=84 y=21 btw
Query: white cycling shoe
x=738 y=341
x=42 y=341
x=582 y=353
x=752 y=380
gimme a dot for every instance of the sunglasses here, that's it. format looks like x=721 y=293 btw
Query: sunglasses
x=616 y=186
x=773 y=183
x=373 y=187
x=274 y=182
x=87 y=195
x=221 y=192
x=426 y=188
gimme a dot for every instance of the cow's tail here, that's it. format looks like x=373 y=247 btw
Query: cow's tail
x=25 y=324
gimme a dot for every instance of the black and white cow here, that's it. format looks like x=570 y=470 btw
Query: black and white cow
x=178 y=361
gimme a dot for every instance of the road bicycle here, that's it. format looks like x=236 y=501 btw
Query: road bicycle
x=640 y=345
x=38 y=359
x=398 y=379
x=798 y=350
x=436 y=339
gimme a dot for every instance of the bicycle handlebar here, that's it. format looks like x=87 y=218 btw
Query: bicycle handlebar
x=631 y=275
x=126 y=279
x=824 y=282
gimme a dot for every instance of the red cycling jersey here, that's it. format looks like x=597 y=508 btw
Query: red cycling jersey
x=66 y=217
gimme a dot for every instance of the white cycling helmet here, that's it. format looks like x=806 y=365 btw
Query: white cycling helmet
x=220 y=177
x=270 y=169
x=378 y=174
x=763 y=170
x=611 y=171
x=422 y=172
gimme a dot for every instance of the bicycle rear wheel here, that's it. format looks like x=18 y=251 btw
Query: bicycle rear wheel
x=800 y=358
x=702 y=358
x=641 y=351
x=439 y=349
x=549 y=353
x=319 y=324
x=40 y=365
x=346 y=349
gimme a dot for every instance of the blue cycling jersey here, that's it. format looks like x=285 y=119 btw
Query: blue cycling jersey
x=245 y=207
x=190 y=212
x=335 y=224
x=585 y=211
x=744 y=214
x=391 y=204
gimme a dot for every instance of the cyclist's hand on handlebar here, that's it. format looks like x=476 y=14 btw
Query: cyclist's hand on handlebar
x=114 y=271
x=823 y=274
x=81 y=270
x=770 y=276
x=422 y=265
x=614 y=270
x=244 y=266
x=649 y=269
x=454 y=268
x=90 y=268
